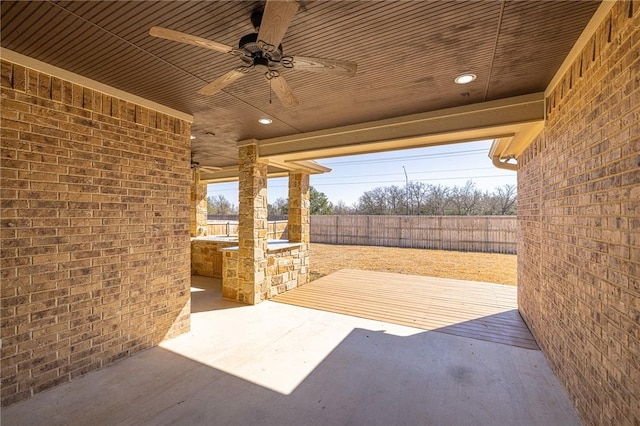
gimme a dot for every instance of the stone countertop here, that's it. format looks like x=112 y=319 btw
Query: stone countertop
x=216 y=239
x=272 y=245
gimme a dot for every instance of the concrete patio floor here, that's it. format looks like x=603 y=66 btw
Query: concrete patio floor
x=277 y=364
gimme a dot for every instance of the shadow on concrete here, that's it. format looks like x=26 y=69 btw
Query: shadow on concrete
x=506 y=327
x=206 y=295
x=370 y=378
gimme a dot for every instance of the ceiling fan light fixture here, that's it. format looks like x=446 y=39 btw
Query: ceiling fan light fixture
x=265 y=121
x=464 y=78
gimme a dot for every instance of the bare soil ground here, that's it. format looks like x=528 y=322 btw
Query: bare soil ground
x=487 y=267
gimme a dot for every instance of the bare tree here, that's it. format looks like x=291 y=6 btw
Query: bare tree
x=373 y=202
x=279 y=207
x=438 y=199
x=396 y=200
x=417 y=193
x=505 y=199
x=465 y=199
x=220 y=205
x=341 y=208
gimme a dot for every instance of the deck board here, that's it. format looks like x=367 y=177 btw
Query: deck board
x=476 y=310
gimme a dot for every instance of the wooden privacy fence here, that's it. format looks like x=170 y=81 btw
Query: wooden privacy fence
x=276 y=230
x=490 y=234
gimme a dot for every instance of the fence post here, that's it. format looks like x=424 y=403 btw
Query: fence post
x=486 y=235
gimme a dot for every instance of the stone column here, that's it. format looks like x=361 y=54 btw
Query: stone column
x=252 y=228
x=198 y=205
x=299 y=211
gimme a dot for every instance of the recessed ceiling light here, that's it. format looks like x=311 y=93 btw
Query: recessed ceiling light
x=192 y=137
x=465 y=78
x=265 y=121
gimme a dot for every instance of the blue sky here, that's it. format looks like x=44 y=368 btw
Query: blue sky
x=447 y=165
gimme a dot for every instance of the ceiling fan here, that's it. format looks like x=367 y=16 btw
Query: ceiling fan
x=195 y=165
x=262 y=50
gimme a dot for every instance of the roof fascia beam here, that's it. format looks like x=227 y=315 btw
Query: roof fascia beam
x=486 y=120
x=310 y=167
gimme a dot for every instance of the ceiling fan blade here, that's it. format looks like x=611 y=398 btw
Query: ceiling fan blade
x=189 y=39
x=325 y=66
x=283 y=92
x=275 y=20
x=210 y=169
x=221 y=82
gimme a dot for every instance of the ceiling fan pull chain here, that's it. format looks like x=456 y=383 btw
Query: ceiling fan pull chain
x=270 y=91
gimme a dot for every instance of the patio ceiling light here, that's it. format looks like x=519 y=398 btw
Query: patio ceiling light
x=465 y=78
x=265 y=121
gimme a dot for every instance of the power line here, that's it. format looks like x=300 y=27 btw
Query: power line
x=383 y=181
x=328 y=176
x=342 y=178
x=405 y=158
x=395 y=181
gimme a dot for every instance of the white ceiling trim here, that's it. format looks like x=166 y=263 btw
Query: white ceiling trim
x=487 y=120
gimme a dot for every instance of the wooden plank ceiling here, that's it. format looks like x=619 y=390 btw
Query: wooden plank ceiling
x=408 y=53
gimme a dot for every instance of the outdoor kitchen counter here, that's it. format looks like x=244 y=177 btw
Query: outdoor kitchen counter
x=286 y=268
x=272 y=245
x=206 y=254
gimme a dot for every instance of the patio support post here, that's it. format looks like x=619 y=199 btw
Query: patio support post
x=299 y=219
x=252 y=227
x=198 y=215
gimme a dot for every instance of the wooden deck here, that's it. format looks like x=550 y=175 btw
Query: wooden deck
x=463 y=308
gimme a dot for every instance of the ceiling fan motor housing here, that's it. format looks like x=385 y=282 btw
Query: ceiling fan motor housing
x=249 y=44
x=256 y=18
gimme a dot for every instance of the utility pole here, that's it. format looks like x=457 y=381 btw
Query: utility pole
x=406 y=187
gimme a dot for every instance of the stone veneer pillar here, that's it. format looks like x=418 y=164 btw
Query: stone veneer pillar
x=198 y=205
x=298 y=216
x=252 y=228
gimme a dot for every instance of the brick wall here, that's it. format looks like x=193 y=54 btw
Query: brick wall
x=94 y=230
x=579 y=217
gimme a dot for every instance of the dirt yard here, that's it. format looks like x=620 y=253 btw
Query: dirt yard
x=487 y=267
